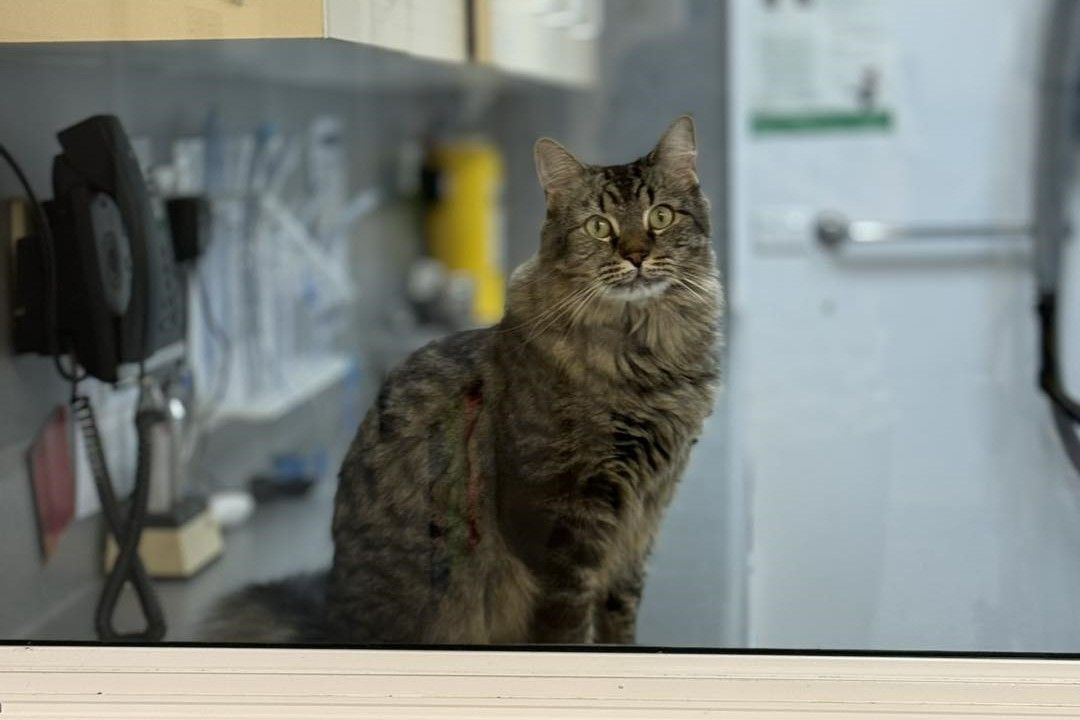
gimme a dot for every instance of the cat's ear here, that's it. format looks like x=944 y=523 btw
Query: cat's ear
x=555 y=166
x=676 y=152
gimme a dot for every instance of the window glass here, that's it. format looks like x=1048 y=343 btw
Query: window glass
x=668 y=324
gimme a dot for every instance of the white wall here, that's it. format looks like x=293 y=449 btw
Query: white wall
x=906 y=489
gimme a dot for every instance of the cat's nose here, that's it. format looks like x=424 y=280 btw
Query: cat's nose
x=636 y=256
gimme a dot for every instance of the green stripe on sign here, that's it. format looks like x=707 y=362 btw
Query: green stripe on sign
x=813 y=121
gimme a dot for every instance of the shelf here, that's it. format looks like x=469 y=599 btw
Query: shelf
x=308 y=378
x=418 y=27
x=333 y=65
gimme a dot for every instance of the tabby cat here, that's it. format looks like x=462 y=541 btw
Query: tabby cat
x=508 y=483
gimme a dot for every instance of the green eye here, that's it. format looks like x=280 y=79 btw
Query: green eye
x=598 y=227
x=660 y=217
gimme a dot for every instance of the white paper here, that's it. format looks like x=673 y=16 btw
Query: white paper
x=823 y=58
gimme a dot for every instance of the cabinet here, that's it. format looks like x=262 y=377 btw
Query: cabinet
x=428 y=28
x=553 y=40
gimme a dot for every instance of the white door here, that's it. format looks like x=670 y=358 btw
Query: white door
x=906 y=489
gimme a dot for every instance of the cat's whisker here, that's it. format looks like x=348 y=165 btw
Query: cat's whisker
x=553 y=314
x=598 y=288
x=709 y=286
x=594 y=289
x=539 y=317
x=584 y=295
x=694 y=293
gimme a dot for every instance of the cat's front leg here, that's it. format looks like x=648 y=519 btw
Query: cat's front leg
x=616 y=610
x=563 y=618
x=564 y=613
x=569 y=582
x=578 y=549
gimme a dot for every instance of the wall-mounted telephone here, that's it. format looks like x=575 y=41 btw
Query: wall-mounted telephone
x=120 y=293
x=99 y=280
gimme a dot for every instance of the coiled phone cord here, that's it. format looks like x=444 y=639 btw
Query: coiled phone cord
x=127 y=531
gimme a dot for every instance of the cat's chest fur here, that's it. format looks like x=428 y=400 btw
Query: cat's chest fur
x=641 y=432
x=610 y=404
x=648 y=395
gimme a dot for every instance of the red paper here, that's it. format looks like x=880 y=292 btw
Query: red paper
x=53 y=477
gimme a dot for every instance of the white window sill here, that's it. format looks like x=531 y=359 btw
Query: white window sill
x=173 y=682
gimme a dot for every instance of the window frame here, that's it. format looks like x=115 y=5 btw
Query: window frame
x=269 y=683
x=194 y=681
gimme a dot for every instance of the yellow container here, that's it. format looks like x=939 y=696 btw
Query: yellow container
x=464 y=223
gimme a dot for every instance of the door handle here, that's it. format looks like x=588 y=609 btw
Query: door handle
x=834 y=229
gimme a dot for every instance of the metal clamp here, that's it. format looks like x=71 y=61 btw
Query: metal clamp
x=834 y=229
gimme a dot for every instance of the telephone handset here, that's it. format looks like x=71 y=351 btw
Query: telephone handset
x=122 y=296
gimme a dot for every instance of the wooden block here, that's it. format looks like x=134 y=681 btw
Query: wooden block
x=178 y=551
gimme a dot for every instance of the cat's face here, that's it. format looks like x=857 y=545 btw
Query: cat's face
x=627 y=232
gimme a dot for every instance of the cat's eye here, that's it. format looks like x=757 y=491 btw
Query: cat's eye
x=598 y=227
x=660 y=217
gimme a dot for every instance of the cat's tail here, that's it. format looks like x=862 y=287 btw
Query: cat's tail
x=290 y=610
